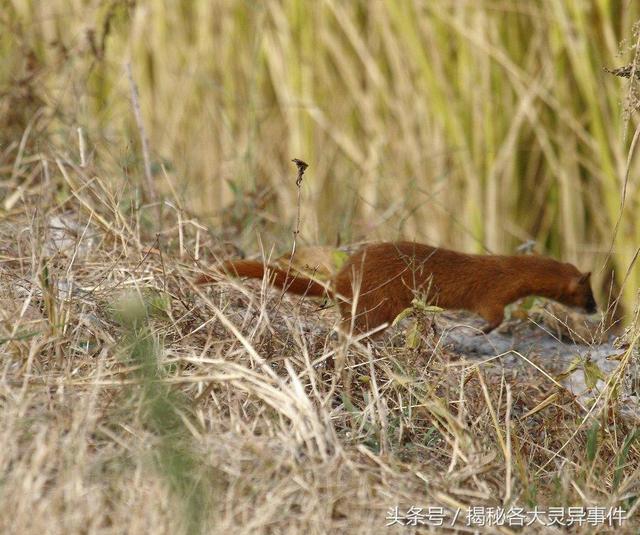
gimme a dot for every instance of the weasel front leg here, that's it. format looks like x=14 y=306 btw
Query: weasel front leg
x=493 y=316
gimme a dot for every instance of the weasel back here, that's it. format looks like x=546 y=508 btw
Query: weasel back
x=381 y=280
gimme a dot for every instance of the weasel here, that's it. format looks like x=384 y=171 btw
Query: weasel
x=380 y=280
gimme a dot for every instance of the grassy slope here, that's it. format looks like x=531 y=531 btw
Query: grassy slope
x=441 y=121
x=129 y=397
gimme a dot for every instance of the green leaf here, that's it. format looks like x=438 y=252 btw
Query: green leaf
x=422 y=306
x=159 y=304
x=592 y=441
x=592 y=373
x=573 y=366
x=338 y=258
x=621 y=459
x=235 y=188
x=412 y=338
x=19 y=336
x=405 y=313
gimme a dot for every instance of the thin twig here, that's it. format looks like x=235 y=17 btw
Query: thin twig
x=302 y=167
x=630 y=72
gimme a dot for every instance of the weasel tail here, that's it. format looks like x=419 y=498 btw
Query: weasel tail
x=291 y=282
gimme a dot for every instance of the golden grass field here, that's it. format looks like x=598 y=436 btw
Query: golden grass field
x=142 y=141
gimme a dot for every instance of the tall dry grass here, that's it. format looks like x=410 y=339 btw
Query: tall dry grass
x=472 y=124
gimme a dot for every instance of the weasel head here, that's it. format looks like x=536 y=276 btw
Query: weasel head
x=579 y=293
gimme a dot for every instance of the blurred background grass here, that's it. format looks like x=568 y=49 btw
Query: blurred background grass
x=476 y=125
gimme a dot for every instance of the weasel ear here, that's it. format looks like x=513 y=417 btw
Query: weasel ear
x=577 y=282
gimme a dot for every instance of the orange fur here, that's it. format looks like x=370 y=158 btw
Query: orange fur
x=384 y=278
x=292 y=283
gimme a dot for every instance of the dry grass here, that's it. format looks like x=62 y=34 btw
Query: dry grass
x=131 y=398
x=133 y=401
